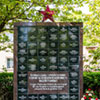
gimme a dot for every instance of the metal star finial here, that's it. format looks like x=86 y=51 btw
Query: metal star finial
x=47 y=14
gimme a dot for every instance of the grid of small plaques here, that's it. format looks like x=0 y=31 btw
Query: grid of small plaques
x=48 y=48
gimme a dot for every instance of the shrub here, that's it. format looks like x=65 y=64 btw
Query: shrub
x=92 y=80
x=6 y=86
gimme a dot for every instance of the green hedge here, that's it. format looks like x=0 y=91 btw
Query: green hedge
x=6 y=86
x=91 y=80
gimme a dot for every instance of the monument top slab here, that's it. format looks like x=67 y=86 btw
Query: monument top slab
x=48 y=23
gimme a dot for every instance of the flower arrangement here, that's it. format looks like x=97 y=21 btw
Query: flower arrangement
x=89 y=95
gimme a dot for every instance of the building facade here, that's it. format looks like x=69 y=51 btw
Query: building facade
x=6 y=61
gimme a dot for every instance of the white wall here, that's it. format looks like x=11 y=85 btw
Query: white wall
x=3 y=60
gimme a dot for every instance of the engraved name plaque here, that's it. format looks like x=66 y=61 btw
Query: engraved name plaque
x=47 y=82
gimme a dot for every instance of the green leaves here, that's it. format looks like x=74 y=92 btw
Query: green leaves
x=5 y=42
x=91 y=25
x=13 y=11
x=6 y=86
x=26 y=10
x=91 y=80
x=4 y=38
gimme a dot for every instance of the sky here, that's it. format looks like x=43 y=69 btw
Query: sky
x=10 y=36
x=84 y=9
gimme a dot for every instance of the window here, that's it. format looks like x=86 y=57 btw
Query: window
x=9 y=63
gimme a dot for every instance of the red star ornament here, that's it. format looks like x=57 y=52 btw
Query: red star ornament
x=47 y=14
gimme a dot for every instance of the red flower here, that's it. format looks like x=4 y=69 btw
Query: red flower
x=89 y=89
x=84 y=97
x=89 y=98
x=96 y=99
x=86 y=94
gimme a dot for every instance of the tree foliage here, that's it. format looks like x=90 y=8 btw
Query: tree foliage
x=25 y=10
x=12 y=11
x=92 y=24
x=5 y=43
x=65 y=10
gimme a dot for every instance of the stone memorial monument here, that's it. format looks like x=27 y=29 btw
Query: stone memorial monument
x=48 y=61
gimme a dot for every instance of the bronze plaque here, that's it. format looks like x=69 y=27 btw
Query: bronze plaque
x=47 y=82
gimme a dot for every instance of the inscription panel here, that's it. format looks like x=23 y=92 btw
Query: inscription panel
x=47 y=82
